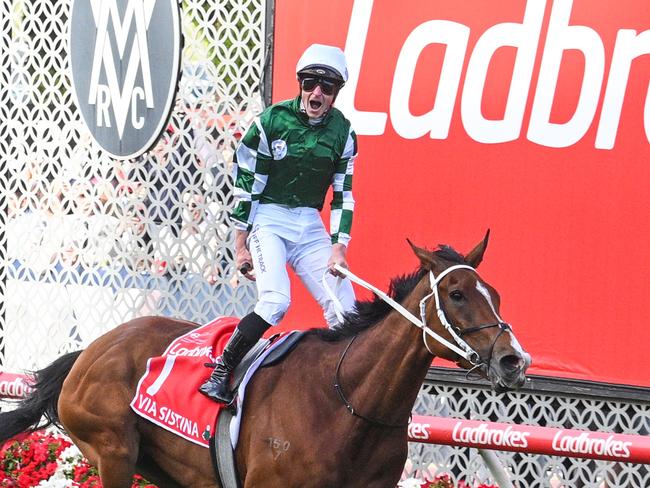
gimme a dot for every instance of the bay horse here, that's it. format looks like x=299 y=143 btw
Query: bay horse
x=334 y=413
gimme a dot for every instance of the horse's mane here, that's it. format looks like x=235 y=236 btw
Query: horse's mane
x=367 y=313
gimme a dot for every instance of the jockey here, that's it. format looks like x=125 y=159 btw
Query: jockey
x=285 y=164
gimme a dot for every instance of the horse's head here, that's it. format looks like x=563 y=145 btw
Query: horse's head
x=464 y=309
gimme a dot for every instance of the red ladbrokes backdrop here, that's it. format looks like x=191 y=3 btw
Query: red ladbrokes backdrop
x=530 y=118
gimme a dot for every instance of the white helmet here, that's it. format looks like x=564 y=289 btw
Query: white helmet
x=325 y=61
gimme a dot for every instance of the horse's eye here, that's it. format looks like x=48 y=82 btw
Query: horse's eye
x=456 y=295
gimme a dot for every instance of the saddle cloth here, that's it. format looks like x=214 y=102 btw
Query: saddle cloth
x=167 y=394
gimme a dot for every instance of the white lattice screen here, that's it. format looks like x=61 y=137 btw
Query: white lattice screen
x=91 y=241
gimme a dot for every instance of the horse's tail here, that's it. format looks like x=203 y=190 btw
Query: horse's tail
x=41 y=402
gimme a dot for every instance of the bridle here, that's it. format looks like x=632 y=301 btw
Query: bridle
x=461 y=347
x=457 y=333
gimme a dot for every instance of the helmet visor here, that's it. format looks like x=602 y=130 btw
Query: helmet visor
x=321 y=72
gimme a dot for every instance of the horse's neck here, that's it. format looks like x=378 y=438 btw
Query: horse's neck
x=393 y=363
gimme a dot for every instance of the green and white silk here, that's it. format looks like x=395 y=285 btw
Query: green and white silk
x=285 y=160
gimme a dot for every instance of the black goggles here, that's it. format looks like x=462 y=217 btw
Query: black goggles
x=328 y=87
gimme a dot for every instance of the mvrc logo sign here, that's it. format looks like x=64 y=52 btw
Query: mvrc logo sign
x=124 y=57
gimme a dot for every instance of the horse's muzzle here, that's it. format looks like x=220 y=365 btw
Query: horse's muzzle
x=509 y=372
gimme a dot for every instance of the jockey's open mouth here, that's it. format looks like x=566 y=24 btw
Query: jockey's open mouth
x=315 y=104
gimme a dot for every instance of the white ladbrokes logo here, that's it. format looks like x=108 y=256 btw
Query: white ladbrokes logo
x=486 y=435
x=583 y=443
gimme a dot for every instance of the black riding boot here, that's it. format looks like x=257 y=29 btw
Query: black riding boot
x=248 y=332
x=217 y=387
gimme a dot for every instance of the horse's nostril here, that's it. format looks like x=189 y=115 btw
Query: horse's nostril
x=512 y=363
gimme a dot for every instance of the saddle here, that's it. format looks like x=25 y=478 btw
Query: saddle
x=274 y=357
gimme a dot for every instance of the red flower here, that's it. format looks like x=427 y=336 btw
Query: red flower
x=28 y=459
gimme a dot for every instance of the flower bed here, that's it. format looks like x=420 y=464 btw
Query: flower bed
x=48 y=459
x=440 y=481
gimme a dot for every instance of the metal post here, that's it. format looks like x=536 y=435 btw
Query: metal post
x=499 y=474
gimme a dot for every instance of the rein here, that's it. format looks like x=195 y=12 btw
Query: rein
x=461 y=347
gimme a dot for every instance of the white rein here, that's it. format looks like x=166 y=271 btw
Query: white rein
x=461 y=347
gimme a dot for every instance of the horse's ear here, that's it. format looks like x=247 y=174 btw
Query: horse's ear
x=475 y=256
x=425 y=257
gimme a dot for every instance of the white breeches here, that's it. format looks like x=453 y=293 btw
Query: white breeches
x=294 y=236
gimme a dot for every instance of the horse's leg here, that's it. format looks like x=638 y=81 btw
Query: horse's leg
x=94 y=409
x=116 y=470
x=111 y=447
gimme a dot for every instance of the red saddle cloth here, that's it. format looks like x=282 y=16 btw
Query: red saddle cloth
x=167 y=394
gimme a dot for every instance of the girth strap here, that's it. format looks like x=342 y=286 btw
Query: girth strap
x=222 y=452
